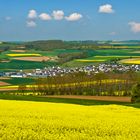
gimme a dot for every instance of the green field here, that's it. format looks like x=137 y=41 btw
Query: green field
x=103 y=55
x=75 y=63
x=94 y=56
x=20 y=64
x=96 y=60
x=19 y=81
x=37 y=118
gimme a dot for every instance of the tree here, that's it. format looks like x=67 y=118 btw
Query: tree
x=22 y=89
x=135 y=93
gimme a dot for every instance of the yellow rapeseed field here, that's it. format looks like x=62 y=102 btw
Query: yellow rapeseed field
x=25 y=120
x=131 y=61
x=90 y=60
x=116 y=47
x=23 y=54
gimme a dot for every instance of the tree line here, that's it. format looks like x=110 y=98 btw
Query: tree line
x=47 y=45
x=65 y=57
x=101 y=84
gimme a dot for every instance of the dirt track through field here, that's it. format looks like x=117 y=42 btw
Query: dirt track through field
x=100 y=98
x=3 y=83
x=18 y=51
x=36 y=59
x=5 y=78
x=7 y=89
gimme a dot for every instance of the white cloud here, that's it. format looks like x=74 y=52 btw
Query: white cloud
x=74 y=17
x=113 y=33
x=107 y=8
x=135 y=26
x=58 y=15
x=32 y=14
x=8 y=18
x=31 y=24
x=45 y=16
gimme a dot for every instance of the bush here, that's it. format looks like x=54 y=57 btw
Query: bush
x=136 y=93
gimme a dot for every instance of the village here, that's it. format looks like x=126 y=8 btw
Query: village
x=56 y=70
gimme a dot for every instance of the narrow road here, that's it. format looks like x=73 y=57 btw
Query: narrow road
x=100 y=98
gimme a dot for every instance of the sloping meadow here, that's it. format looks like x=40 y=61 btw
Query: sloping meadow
x=58 y=121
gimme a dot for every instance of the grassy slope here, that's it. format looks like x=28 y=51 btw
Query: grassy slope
x=63 y=119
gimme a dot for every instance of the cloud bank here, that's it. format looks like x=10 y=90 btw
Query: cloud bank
x=55 y=15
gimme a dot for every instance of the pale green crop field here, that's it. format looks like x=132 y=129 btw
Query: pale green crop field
x=29 y=120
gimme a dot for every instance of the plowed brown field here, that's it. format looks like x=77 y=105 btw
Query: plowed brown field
x=36 y=59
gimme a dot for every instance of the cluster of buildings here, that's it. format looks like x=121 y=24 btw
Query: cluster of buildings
x=53 y=71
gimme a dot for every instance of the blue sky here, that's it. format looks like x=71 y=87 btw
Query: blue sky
x=69 y=19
